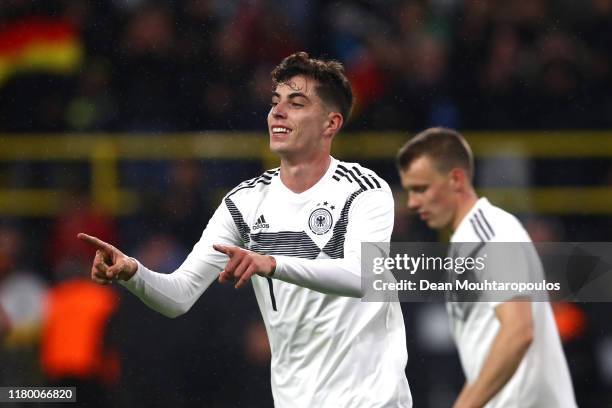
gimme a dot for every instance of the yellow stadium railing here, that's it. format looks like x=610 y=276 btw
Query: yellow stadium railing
x=105 y=151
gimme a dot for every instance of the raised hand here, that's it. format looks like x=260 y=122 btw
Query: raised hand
x=243 y=264
x=109 y=263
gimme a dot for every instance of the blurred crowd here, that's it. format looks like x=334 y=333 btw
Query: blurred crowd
x=58 y=328
x=204 y=64
x=193 y=65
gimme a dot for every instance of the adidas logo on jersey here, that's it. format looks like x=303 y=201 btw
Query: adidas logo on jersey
x=260 y=223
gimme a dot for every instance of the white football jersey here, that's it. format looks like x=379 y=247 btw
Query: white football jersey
x=542 y=379
x=329 y=349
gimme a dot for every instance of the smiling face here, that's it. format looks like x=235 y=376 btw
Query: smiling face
x=299 y=122
x=431 y=193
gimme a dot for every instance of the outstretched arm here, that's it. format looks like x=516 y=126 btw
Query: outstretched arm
x=170 y=294
x=506 y=353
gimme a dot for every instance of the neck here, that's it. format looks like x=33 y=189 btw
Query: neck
x=299 y=176
x=466 y=202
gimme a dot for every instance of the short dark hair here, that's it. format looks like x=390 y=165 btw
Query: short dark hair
x=446 y=147
x=334 y=87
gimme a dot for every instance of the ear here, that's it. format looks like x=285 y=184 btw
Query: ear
x=458 y=179
x=333 y=124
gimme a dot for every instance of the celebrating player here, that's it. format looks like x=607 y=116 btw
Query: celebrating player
x=295 y=233
x=510 y=350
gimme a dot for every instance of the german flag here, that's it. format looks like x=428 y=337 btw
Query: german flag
x=39 y=44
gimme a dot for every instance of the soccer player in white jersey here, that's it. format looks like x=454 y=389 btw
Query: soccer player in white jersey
x=510 y=351
x=295 y=232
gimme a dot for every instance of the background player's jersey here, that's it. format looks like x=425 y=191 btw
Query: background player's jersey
x=542 y=379
x=328 y=349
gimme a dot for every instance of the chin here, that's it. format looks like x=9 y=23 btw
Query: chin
x=434 y=225
x=276 y=147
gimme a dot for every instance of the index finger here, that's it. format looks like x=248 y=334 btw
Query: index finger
x=227 y=250
x=98 y=243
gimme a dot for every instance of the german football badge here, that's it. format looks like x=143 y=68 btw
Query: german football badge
x=320 y=220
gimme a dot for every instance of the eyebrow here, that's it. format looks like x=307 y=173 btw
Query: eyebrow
x=417 y=186
x=291 y=95
x=296 y=95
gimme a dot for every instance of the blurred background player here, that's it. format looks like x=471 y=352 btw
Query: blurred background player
x=77 y=348
x=295 y=232
x=510 y=351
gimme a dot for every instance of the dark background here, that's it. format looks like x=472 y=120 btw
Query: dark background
x=163 y=68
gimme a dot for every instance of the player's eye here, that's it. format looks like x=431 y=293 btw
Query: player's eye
x=296 y=105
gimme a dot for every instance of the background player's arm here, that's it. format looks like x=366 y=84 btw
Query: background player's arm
x=510 y=345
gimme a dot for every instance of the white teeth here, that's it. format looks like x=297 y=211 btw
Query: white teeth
x=280 y=130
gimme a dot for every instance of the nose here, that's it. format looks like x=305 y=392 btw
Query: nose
x=278 y=111
x=413 y=202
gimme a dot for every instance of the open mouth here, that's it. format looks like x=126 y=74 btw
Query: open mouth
x=280 y=130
